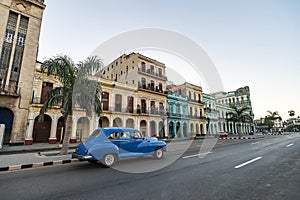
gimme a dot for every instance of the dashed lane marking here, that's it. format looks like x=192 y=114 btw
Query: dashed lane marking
x=248 y=162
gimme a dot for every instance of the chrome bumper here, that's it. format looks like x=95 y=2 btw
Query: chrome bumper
x=81 y=157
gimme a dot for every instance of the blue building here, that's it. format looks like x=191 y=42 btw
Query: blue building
x=178 y=118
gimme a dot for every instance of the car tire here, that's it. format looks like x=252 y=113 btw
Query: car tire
x=159 y=153
x=109 y=160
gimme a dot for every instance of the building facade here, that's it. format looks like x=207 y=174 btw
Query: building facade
x=211 y=114
x=178 y=118
x=195 y=106
x=239 y=98
x=20 y=27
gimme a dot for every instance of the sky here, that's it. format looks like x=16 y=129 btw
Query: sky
x=251 y=43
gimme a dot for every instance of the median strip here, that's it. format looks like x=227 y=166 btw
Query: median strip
x=248 y=162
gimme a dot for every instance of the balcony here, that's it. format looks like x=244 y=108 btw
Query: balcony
x=38 y=100
x=9 y=90
x=150 y=88
x=139 y=111
x=148 y=72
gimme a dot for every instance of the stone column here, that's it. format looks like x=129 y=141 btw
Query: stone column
x=53 y=139
x=29 y=139
x=74 y=129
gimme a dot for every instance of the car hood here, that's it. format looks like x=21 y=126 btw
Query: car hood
x=151 y=139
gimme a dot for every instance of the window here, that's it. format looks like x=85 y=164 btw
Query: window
x=130 y=104
x=114 y=135
x=191 y=111
x=96 y=132
x=143 y=67
x=118 y=103
x=190 y=95
x=46 y=87
x=151 y=69
x=125 y=134
x=152 y=85
x=105 y=100
x=159 y=72
x=126 y=69
x=144 y=106
x=153 y=108
x=144 y=83
x=160 y=87
x=132 y=81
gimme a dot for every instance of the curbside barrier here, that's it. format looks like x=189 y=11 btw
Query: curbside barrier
x=39 y=164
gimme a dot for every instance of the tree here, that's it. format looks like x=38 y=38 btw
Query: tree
x=291 y=113
x=270 y=118
x=78 y=89
x=239 y=115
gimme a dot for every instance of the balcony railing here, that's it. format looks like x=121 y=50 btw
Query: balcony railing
x=151 y=73
x=38 y=100
x=141 y=111
x=150 y=88
x=9 y=90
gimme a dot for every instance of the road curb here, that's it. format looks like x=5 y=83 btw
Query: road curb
x=39 y=164
x=237 y=138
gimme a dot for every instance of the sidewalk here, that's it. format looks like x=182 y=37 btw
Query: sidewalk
x=37 y=147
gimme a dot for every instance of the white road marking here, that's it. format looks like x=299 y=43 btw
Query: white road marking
x=199 y=154
x=256 y=142
x=248 y=162
x=290 y=145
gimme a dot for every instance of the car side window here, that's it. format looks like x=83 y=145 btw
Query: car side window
x=125 y=134
x=114 y=135
x=136 y=134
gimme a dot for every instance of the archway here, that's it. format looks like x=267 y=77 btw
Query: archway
x=197 y=128
x=201 y=129
x=60 y=129
x=103 y=122
x=184 y=130
x=6 y=118
x=130 y=123
x=178 y=131
x=192 y=128
x=143 y=127
x=161 y=129
x=117 y=122
x=83 y=128
x=171 y=129
x=41 y=129
x=152 y=128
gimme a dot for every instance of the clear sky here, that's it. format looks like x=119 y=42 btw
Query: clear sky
x=254 y=43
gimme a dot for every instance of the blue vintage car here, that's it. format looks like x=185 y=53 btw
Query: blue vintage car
x=107 y=145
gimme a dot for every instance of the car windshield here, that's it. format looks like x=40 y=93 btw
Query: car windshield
x=136 y=134
x=96 y=132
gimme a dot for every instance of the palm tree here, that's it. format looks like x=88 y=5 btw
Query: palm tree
x=291 y=113
x=271 y=117
x=239 y=115
x=78 y=89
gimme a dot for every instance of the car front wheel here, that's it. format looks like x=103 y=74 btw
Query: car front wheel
x=109 y=160
x=159 y=153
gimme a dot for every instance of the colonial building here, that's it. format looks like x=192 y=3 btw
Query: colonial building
x=211 y=114
x=20 y=26
x=195 y=106
x=178 y=117
x=148 y=78
x=239 y=98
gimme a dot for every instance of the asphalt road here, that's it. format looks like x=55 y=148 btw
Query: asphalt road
x=267 y=168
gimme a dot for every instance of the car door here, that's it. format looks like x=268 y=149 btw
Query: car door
x=128 y=143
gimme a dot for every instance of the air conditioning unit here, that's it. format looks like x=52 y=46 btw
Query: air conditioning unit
x=2 y=129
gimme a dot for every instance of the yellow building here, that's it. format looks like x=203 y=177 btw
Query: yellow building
x=195 y=106
x=19 y=32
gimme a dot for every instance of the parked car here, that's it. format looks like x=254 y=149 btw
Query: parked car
x=107 y=145
x=221 y=135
